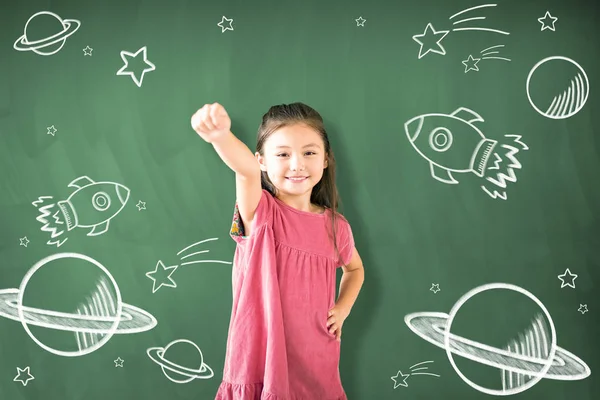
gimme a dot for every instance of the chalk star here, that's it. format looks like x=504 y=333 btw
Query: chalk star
x=471 y=64
x=87 y=51
x=119 y=362
x=141 y=205
x=427 y=35
x=25 y=372
x=51 y=130
x=435 y=287
x=583 y=308
x=223 y=27
x=163 y=280
x=360 y=21
x=545 y=23
x=151 y=67
x=571 y=279
x=24 y=241
x=403 y=378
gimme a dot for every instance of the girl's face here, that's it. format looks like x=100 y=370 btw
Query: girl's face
x=295 y=151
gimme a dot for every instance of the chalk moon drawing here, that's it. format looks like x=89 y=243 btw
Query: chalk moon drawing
x=569 y=100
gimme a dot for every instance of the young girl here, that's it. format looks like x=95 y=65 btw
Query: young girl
x=285 y=328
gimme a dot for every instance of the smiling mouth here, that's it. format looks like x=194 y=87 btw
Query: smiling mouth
x=296 y=179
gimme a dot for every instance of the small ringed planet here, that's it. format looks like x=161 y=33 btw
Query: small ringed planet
x=176 y=372
x=45 y=33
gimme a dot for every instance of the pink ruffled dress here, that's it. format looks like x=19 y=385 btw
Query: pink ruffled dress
x=284 y=283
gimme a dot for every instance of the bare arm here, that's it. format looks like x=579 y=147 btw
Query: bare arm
x=213 y=124
x=237 y=156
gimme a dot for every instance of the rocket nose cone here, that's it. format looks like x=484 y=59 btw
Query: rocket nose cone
x=123 y=193
x=413 y=128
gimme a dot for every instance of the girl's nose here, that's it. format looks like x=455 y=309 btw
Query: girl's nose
x=296 y=164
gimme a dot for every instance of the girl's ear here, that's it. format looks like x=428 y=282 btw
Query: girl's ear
x=261 y=161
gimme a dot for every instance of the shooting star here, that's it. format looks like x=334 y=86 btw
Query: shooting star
x=471 y=63
x=400 y=378
x=431 y=39
x=165 y=273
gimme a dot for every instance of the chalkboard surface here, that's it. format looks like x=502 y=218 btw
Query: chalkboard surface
x=466 y=140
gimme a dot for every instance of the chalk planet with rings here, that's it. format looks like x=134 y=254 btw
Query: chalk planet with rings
x=536 y=363
x=105 y=314
x=174 y=371
x=45 y=33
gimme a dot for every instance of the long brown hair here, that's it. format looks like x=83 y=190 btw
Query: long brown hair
x=324 y=193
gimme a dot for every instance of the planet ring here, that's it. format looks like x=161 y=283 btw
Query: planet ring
x=431 y=327
x=133 y=319
x=156 y=355
x=23 y=44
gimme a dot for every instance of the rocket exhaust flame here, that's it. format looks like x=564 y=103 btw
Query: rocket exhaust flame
x=500 y=170
x=52 y=218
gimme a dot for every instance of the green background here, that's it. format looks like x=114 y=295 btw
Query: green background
x=411 y=230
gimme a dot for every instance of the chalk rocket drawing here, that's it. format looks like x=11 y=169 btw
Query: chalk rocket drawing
x=91 y=205
x=93 y=319
x=522 y=363
x=431 y=40
x=161 y=276
x=451 y=143
x=172 y=369
x=400 y=378
x=471 y=62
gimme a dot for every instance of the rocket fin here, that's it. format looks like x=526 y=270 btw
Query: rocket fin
x=467 y=115
x=99 y=229
x=441 y=174
x=80 y=182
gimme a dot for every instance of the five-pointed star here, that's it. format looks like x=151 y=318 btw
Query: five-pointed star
x=223 y=27
x=23 y=376
x=435 y=287
x=119 y=362
x=403 y=378
x=151 y=67
x=547 y=21
x=165 y=278
x=51 y=130
x=360 y=21
x=471 y=64
x=583 y=308
x=141 y=205
x=571 y=279
x=428 y=35
x=24 y=241
x=87 y=51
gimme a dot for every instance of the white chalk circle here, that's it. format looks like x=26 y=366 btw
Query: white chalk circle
x=571 y=100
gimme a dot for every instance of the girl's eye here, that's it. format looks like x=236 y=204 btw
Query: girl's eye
x=285 y=154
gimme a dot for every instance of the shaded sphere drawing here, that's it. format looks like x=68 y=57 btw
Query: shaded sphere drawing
x=95 y=321
x=536 y=356
x=564 y=101
x=45 y=33
x=174 y=371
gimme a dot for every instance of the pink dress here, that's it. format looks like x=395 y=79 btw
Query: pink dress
x=284 y=283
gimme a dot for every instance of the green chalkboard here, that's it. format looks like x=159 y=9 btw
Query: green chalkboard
x=465 y=135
